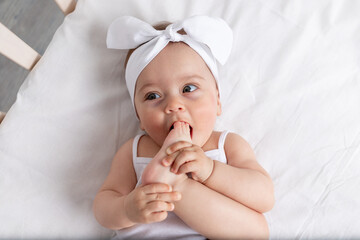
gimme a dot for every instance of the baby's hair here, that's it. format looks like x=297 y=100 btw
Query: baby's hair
x=159 y=26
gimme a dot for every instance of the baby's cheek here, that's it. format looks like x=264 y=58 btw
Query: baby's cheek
x=207 y=113
x=210 y=106
x=150 y=122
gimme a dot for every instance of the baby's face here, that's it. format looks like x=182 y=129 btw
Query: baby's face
x=175 y=86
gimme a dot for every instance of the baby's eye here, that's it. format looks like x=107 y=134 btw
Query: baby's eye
x=189 y=88
x=151 y=96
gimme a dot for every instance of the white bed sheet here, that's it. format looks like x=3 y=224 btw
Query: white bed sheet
x=293 y=93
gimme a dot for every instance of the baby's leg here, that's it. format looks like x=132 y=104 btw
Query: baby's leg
x=155 y=171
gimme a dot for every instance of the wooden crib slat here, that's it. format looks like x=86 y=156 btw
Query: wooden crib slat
x=66 y=6
x=2 y=116
x=16 y=49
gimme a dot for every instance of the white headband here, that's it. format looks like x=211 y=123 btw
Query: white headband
x=210 y=37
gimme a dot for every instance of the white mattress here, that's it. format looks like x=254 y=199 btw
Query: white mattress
x=293 y=84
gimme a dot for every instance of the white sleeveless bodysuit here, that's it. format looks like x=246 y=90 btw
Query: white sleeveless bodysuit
x=172 y=227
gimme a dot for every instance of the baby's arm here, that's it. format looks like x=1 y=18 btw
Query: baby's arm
x=242 y=179
x=230 y=202
x=119 y=204
x=108 y=204
x=216 y=216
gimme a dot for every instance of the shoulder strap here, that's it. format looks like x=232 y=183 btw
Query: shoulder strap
x=221 y=144
x=135 y=145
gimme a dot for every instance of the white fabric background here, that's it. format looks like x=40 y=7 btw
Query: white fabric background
x=293 y=83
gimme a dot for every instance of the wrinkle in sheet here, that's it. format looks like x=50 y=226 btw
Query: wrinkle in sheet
x=337 y=180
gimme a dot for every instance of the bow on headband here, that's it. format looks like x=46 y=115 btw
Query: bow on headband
x=210 y=37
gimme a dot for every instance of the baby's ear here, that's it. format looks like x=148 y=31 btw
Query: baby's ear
x=141 y=126
x=219 y=109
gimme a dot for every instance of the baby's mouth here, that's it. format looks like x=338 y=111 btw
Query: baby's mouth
x=191 y=129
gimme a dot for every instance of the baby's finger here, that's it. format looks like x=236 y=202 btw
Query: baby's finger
x=157 y=188
x=177 y=146
x=165 y=197
x=159 y=206
x=157 y=217
x=168 y=160
x=184 y=157
x=188 y=167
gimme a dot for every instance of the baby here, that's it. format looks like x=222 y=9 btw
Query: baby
x=181 y=179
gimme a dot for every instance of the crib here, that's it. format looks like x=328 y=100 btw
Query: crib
x=18 y=51
x=293 y=83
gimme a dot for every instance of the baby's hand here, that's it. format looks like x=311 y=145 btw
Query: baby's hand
x=150 y=203
x=184 y=157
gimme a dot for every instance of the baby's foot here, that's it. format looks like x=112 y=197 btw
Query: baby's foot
x=155 y=171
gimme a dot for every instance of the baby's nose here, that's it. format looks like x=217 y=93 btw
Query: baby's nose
x=174 y=105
